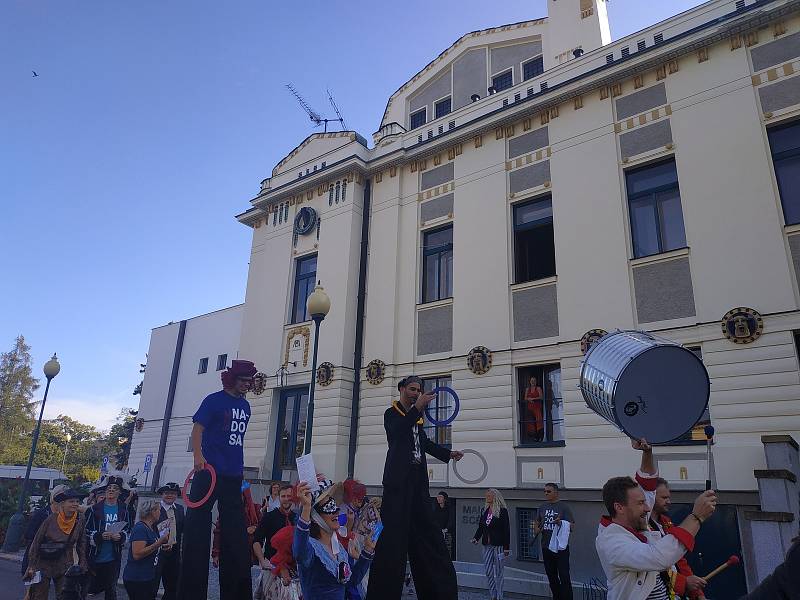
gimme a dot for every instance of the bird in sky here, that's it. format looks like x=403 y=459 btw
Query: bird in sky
x=35 y=74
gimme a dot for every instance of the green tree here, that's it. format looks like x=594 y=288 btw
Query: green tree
x=17 y=406
x=121 y=436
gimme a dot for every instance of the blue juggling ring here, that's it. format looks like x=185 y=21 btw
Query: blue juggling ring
x=456 y=406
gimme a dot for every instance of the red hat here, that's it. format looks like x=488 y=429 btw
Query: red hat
x=238 y=368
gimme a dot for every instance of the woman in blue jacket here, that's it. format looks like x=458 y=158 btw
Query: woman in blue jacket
x=325 y=567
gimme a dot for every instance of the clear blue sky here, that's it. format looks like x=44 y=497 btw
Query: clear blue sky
x=150 y=126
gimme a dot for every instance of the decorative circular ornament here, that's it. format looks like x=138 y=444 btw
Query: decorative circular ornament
x=456 y=406
x=483 y=474
x=590 y=338
x=139 y=424
x=305 y=220
x=479 y=360
x=325 y=373
x=259 y=384
x=376 y=371
x=742 y=325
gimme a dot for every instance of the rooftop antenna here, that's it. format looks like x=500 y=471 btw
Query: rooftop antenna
x=312 y=114
x=336 y=108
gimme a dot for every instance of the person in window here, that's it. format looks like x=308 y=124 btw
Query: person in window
x=555 y=518
x=409 y=530
x=59 y=547
x=218 y=434
x=535 y=407
x=495 y=534
x=173 y=515
x=444 y=516
x=105 y=547
x=325 y=567
x=141 y=574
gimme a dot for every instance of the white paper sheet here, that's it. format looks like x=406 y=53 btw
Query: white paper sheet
x=306 y=471
x=116 y=527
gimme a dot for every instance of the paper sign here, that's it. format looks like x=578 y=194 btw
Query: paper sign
x=163 y=528
x=117 y=527
x=37 y=578
x=306 y=471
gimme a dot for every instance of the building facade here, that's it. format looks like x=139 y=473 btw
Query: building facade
x=534 y=186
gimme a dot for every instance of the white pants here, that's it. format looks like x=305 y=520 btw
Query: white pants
x=493 y=564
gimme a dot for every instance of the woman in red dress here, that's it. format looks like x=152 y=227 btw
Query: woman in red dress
x=533 y=402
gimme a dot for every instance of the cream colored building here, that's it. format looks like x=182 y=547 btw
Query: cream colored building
x=532 y=183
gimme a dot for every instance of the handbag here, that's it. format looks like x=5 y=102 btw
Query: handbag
x=52 y=550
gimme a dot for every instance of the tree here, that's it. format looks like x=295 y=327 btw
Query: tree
x=17 y=406
x=121 y=436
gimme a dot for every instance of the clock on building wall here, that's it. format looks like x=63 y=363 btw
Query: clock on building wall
x=305 y=220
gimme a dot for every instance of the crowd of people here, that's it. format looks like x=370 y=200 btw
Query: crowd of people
x=321 y=540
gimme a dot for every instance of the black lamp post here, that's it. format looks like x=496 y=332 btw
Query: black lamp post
x=17 y=523
x=318 y=305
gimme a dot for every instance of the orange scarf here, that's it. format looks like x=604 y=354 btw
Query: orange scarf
x=66 y=525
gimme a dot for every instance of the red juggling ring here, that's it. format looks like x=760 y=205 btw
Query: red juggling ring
x=189 y=504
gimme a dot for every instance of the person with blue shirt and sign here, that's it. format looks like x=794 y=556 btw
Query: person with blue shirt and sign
x=140 y=575
x=218 y=440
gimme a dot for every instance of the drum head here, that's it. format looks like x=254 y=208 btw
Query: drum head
x=661 y=394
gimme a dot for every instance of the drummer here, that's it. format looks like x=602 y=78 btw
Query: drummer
x=218 y=440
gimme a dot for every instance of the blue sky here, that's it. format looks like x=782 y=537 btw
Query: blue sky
x=150 y=126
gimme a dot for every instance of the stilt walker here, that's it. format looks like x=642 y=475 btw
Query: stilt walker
x=408 y=527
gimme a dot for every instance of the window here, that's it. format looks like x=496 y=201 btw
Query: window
x=626 y=52
x=344 y=188
x=442 y=107
x=442 y=407
x=203 y=367
x=697 y=433
x=503 y=81
x=529 y=546
x=222 y=361
x=338 y=189
x=330 y=195
x=532 y=68
x=286 y=212
x=658 y=38
x=784 y=141
x=304 y=277
x=654 y=200
x=641 y=45
x=437 y=264
x=541 y=407
x=291 y=432
x=274 y=218
x=609 y=59
x=534 y=247
x=418 y=118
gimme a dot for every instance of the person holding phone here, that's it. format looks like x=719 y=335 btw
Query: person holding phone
x=141 y=575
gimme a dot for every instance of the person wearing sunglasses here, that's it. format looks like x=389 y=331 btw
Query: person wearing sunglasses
x=324 y=565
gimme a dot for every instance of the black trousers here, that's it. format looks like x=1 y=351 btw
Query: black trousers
x=105 y=578
x=234 y=559
x=141 y=590
x=169 y=565
x=556 y=565
x=409 y=531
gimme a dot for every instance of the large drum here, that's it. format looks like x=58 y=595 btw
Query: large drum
x=647 y=386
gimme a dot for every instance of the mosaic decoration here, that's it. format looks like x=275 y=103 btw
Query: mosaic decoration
x=305 y=220
x=259 y=384
x=376 y=371
x=742 y=325
x=590 y=338
x=305 y=333
x=479 y=360
x=325 y=373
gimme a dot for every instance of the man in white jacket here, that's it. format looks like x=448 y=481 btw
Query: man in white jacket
x=631 y=555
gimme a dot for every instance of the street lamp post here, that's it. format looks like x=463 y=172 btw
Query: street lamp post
x=17 y=522
x=318 y=305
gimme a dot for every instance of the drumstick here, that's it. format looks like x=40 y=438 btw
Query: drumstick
x=733 y=560
x=709 y=431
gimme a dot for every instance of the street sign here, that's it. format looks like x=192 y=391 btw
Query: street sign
x=148 y=461
x=104 y=467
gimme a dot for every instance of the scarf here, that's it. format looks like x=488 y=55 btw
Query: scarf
x=66 y=525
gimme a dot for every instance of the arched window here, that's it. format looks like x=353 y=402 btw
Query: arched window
x=274 y=217
x=286 y=212
x=338 y=186
x=344 y=189
x=330 y=195
x=280 y=213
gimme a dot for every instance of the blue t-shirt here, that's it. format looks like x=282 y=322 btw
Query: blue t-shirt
x=145 y=568
x=225 y=419
x=106 y=551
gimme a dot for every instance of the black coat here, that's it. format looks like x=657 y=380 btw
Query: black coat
x=497 y=533
x=784 y=582
x=180 y=517
x=399 y=435
x=271 y=522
